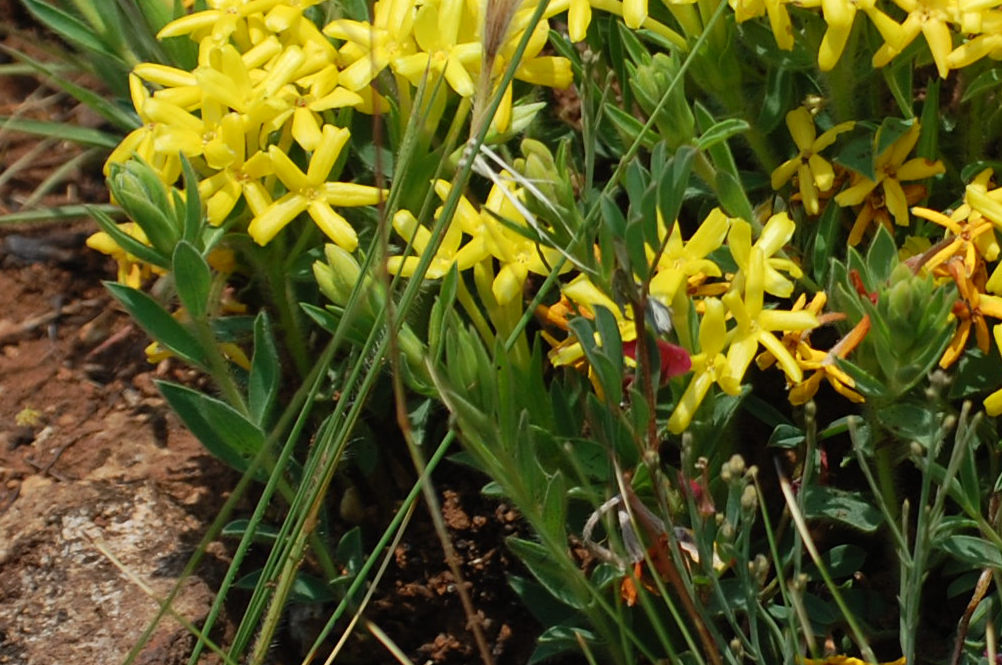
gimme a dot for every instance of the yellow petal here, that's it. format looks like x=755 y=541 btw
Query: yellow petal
x=266 y=226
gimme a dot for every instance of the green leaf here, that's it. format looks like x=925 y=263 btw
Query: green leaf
x=630 y=127
x=192 y=278
x=124 y=240
x=541 y=563
x=159 y=324
x=909 y=420
x=265 y=372
x=899 y=81
x=222 y=429
x=113 y=113
x=556 y=640
x=191 y=222
x=721 y=131
x=825 y=242
x=539 y=602
x=974 y=551
x=882 y=257
x=857 y=154
x=349 y=551
x=265 y=534
x=673 y=182
x=890 y=130
x=72 y=29
x=866 y=383
x=55 y=213
x=845 y=507
x=928 y=143
x=60 y=130
x=778 y=98
x=732 y=196
x=555 y=506
x=987 y=81
x=786 y=436
x=306 y=588
x=612 y=216
x=844 y=560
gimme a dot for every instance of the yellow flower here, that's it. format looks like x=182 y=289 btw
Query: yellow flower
x=587 y=297
x=846 y=660
x=814 y=173
x=930 y=18
x=131 y=271
x=708 y=366
x=824 y=365
x=971 y=239
x=239 y=176
x=141 y=142
x=310 y=192
x=972 y=309
x=450 y=251
x=446 y=37
x=839 y=15
x=756 y=325
x=370 y=48
x=891 y=170
x=681 y=260
x=993 y=403
x=775 y=234
x=779 y=18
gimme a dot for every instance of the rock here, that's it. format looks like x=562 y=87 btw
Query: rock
x=63 y=601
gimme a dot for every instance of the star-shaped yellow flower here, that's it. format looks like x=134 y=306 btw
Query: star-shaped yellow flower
x=891 y=169
x=814 y=173
x=310 y=192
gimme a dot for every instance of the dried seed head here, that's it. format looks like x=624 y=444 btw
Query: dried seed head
x=497 y=21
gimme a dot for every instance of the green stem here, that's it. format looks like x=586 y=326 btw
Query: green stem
x=219 y=367
x=884 y=459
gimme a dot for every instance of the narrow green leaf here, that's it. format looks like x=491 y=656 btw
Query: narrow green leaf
x=786 y=436
x=986 y=81
x=825 y=242
x=673 y=183
x=306 y=589
x=882 y=257
x=191 y=223
x=890 y=130
x=721 y=131
x=928 y=143
x=613 y=216
x=61 y=131
x=541 y=563
x=555 y=506
x=58 y=213
x=778 y=98
x=72 y=29
x=265 y=372
x=266 y=534
x=827 y=502
x=630 y=127
x=221 y=429
x=192 y=278
x=733 y=198
x=159 y=324
x=124 y=240
x=107 y=109
x=974 y=551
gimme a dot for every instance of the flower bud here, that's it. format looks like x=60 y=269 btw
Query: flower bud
x=749 y=499
x=650 y=81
